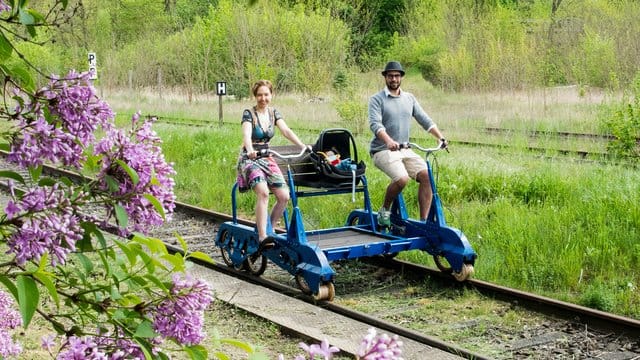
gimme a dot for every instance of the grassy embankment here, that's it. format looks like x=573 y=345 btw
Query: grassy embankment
x=553 y=225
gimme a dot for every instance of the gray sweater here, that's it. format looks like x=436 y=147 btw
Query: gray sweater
x=393 y=114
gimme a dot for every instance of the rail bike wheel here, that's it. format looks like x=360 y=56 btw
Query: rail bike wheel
x=302 y=284
x=326 y=292
x=465 y=273
x=442 y=264
x=255 y=265
x=229 y=249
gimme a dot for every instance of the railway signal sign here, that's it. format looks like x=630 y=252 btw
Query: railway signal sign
x=93 y=66
x=221 y=89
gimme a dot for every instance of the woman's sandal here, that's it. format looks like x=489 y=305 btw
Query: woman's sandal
x=268 y=243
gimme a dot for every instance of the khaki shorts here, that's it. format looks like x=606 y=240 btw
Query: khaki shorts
x=400 y=163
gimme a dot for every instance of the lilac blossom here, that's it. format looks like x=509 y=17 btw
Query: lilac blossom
x=99 y=348
x=4 y=7
x=382 y=347
x=75 y=113
x=9 y=320
x=47 y=342
x=181 y=315
x=324 y=350
x=140 y=150
x=51 y=227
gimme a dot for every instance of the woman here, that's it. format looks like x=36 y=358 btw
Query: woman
x=262 y=174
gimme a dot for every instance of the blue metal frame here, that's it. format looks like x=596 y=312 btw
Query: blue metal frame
x=296 y=255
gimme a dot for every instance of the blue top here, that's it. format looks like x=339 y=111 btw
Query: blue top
x=260 y=135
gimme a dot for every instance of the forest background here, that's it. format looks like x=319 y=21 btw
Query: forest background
x=314 y=47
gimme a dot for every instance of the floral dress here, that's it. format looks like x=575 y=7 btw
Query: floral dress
x=251 y=172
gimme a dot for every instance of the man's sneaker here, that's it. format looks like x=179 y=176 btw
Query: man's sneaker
x=384 y=217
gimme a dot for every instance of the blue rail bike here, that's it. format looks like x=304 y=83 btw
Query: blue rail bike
x=333 y=168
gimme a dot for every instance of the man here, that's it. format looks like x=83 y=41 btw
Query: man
x=390 y=113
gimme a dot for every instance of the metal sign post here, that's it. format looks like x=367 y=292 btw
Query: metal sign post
x=221 y=89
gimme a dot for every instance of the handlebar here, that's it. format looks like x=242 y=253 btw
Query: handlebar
x=267 y=152
x=441 y=146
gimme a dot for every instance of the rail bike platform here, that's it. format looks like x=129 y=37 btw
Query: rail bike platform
x=307 y=254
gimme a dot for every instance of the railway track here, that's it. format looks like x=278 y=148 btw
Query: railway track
x=548 y=328
x=474 y=319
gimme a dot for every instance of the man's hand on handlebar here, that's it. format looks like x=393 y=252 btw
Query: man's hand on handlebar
x=393 y=146
x=444 y=144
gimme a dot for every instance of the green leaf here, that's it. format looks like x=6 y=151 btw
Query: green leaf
x=155 y=245
x=92 y=162
x=12 y=175
x=37 y=17
x=159 y=284
x=115 y=293
x=86 y=263
x=156 y=204
x=5 y=49
x=121 y=215
x=176 y=260
x=239 y=344
x=127 y=251
x=10 y=286
x=149 y=263
x=200 y=256
x=145 y=330
x=112 y=183
x=47 y=181
x=221 y=356
x=26 y=18
x=196 y=352
x=28 y=298
x=183 y=244
x=35 y=172
x=132 y=173
x=46 y=279
x=22 y=76
x=85 y=243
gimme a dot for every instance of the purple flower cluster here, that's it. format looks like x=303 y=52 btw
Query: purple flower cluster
x=4 y=7
x=382 y=347
x=9 y=319
x=140 y=150
x=98 y=348
x=324 y=350
x=74 y=114
x=181 y=315
x=51 y=225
